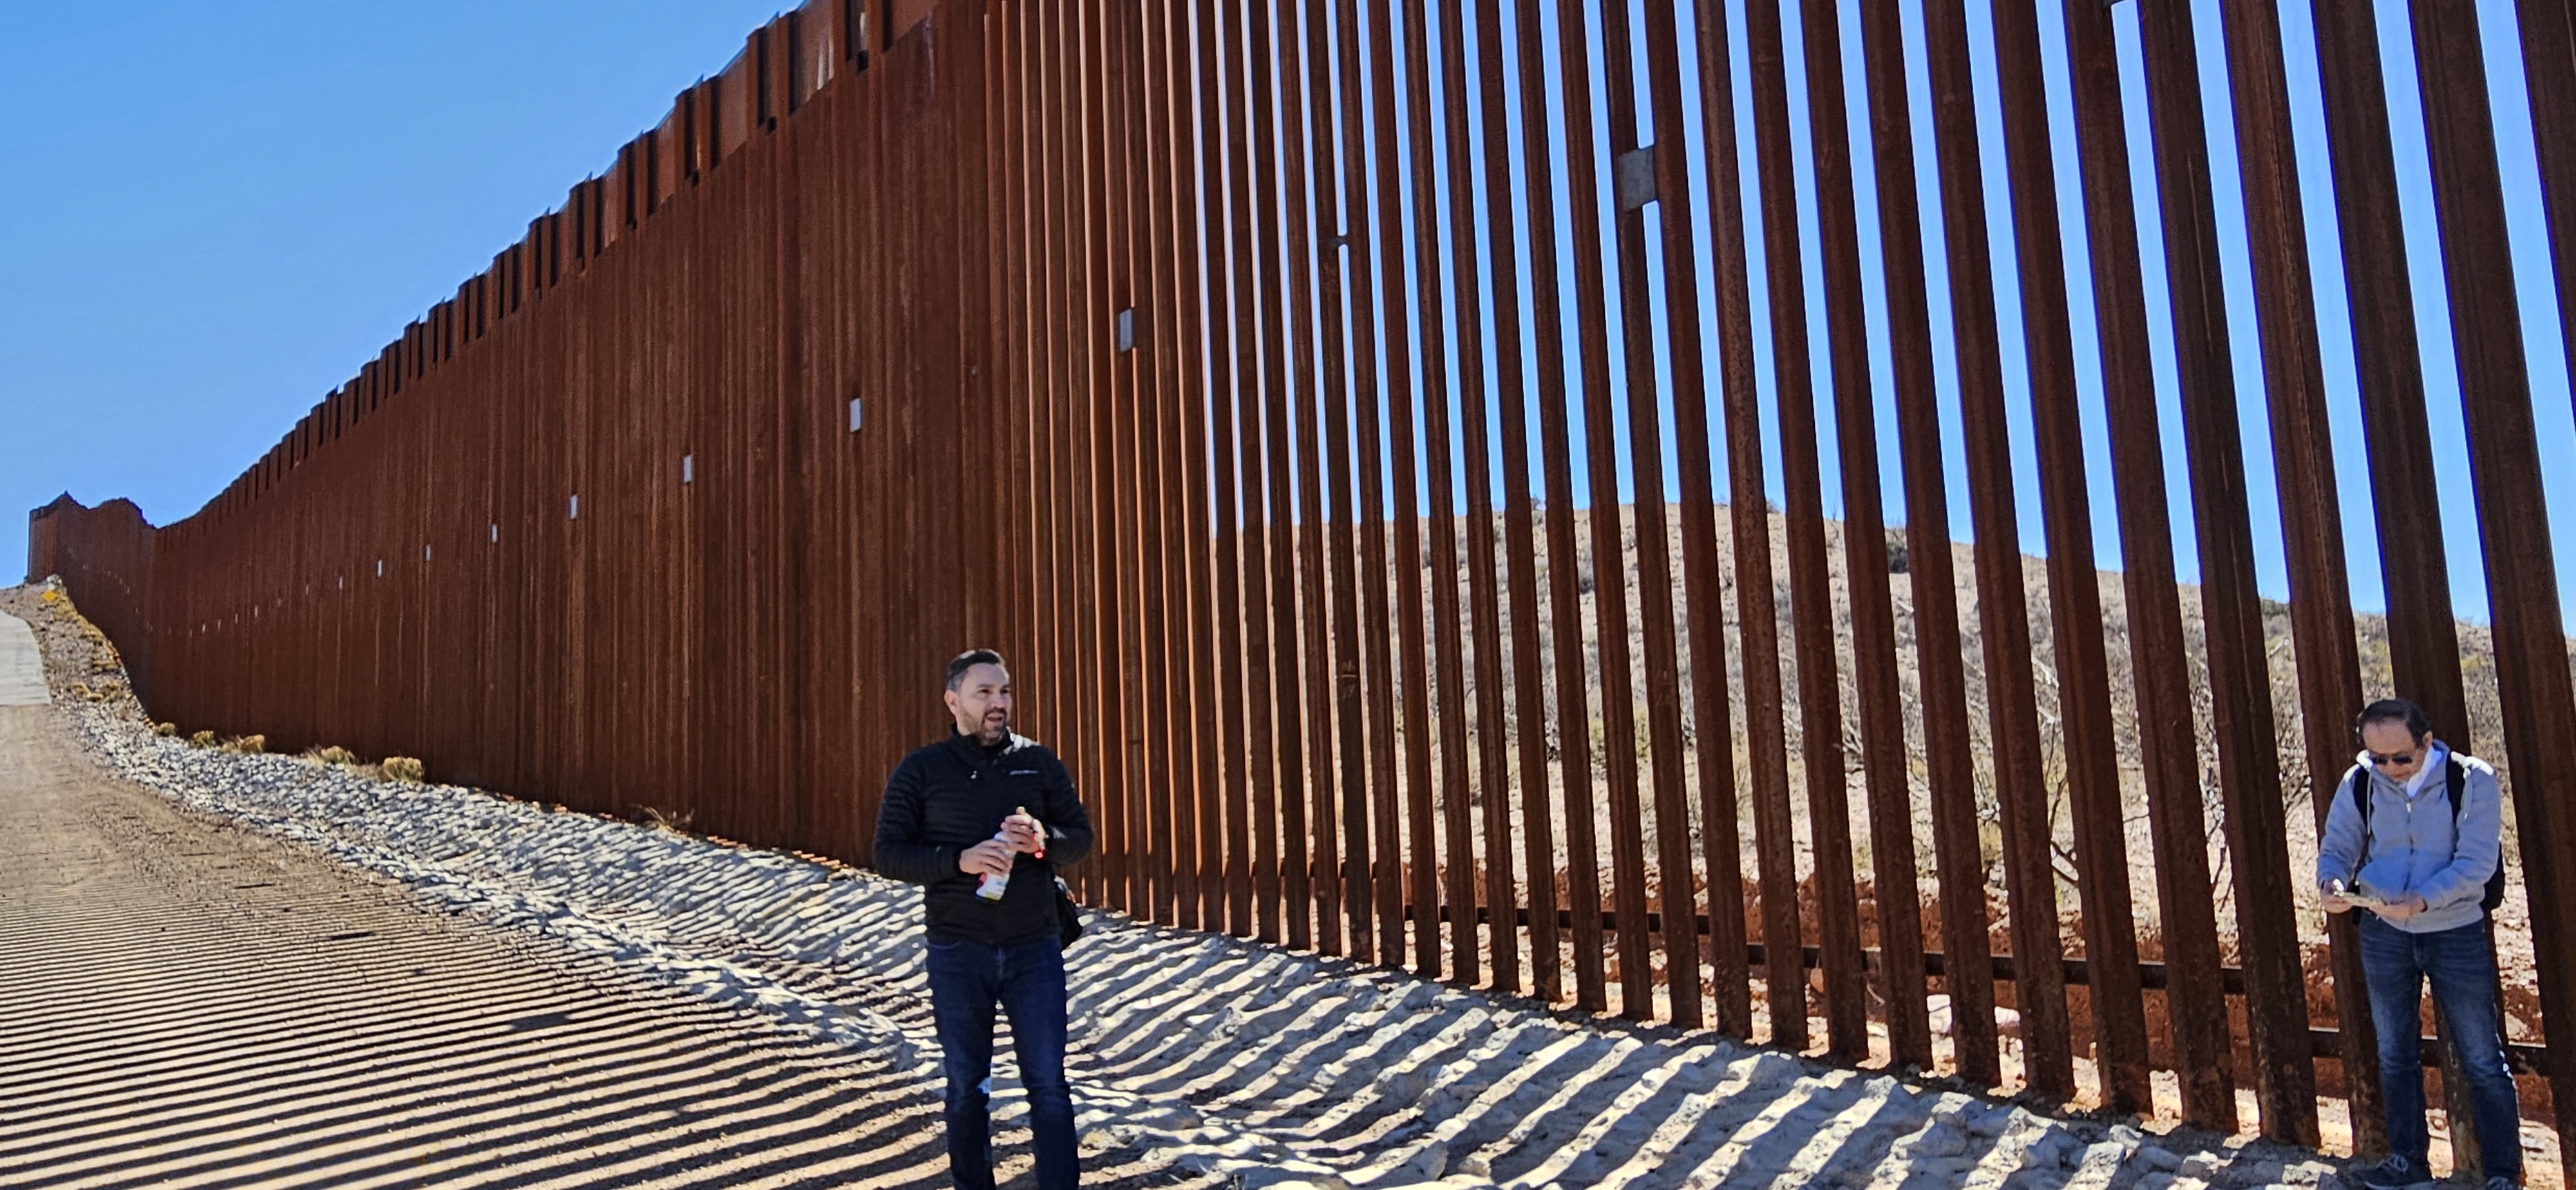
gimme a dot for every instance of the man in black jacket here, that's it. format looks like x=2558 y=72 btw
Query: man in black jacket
x=962 y=817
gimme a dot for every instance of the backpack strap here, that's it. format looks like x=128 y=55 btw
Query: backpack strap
x=2360 y=789
x=2456 y=777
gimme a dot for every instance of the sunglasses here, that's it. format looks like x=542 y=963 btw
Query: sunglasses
x=2379 y=761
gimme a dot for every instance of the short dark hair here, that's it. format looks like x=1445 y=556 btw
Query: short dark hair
x=2395 y=710
x=969 y=660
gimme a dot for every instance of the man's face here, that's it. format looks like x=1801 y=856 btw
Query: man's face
x=2394 y=751
x=982 y=703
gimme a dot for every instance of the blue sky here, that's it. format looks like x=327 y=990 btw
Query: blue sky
x=215 y=214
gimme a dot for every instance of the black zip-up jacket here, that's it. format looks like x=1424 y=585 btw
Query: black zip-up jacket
x=950 y=796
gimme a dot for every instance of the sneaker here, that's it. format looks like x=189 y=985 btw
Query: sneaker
x=2396 y=1173
x=2501 y=1182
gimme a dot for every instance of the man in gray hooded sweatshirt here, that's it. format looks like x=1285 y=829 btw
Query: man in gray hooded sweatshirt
x=2420 y=862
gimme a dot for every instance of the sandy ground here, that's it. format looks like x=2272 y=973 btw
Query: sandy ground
x=184 y=1002
x=723 y=1015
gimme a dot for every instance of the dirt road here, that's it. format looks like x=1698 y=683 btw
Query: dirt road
x=22 y=667
x=185 y=1003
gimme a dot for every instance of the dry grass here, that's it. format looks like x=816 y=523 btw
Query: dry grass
x=656 y=818
x=331 y=754
x=403 y=768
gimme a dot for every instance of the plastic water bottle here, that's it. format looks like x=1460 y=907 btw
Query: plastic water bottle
x=990 y=888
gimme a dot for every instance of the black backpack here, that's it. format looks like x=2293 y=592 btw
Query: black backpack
x=2455 y=780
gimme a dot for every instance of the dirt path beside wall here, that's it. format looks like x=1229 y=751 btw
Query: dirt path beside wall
x=22 y=666
x=184 y=1002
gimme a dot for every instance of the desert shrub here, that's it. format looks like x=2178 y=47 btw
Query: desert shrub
x=403 y=768
x=203 y=739
x=656 y=818
x=170 y=729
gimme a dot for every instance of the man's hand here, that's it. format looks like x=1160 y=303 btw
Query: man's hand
x=2401 y=909
x=2336 y=903
x=991 y=857
x=1026 y=834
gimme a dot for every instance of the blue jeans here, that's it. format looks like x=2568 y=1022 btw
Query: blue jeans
x=2461 y=966
x=967 y=980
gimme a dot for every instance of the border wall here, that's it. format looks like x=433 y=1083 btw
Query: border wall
x=1119 y=336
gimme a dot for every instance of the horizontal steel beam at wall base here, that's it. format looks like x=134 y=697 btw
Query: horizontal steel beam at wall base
x=2151 y=975
x=2327 y=1043
x=2522 y=1059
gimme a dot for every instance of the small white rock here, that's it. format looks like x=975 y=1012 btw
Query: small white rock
x=1937 y=1140
x=1290 y=1175
x=2047 y=1151
x=2248 y=1171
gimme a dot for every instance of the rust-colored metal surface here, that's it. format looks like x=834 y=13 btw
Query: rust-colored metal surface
x=1520 y=554
x=1329 y=409
x=2249 y=776
x=1457 y=864
x=2114 y=999
x=2003 y=620
x=1757 y=599
x=1616 y=669
x=106 y=556
x=1810 y=581
x=2424 y=647
x=2302 y=450
x=1565 y=606
x=1879 y=701
x=2531 y=654
x=1940 y=673
x=2195 y=1005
